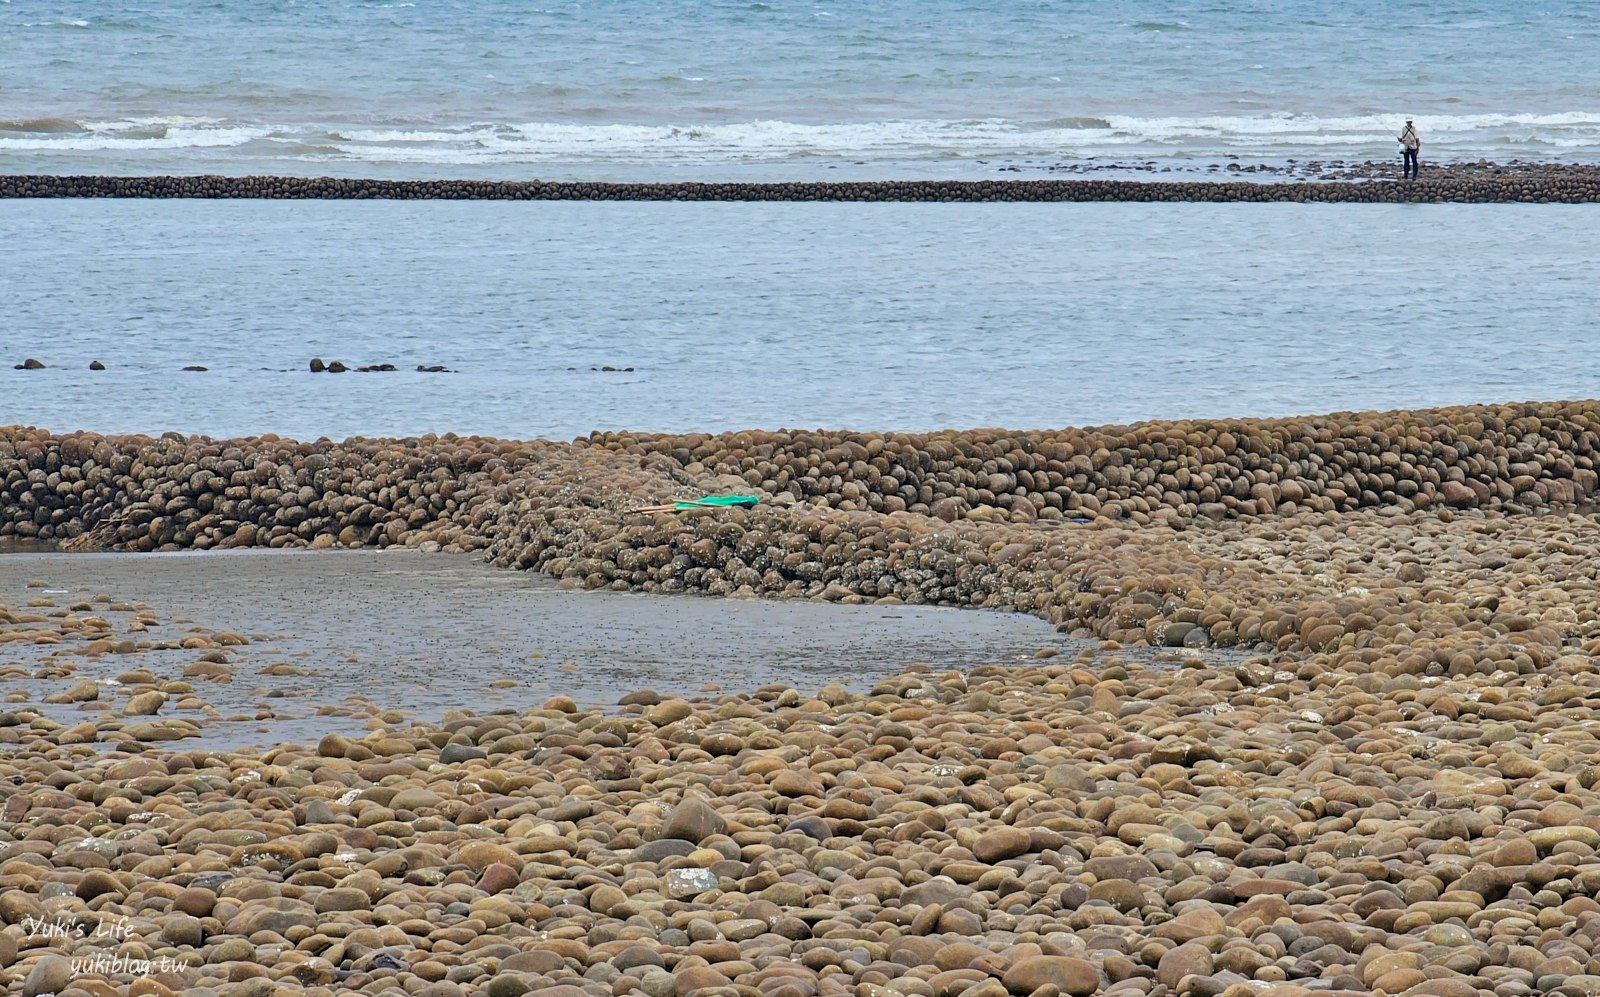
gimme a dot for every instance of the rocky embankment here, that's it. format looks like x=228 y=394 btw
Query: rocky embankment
x=1549 y=185
x=1396 y=795
x=1243 y=532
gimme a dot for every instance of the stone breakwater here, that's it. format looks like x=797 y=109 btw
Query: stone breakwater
x=1348 y=531
x=1554 y=186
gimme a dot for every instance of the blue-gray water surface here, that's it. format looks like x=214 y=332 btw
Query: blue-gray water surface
x=742 y=315
x=631 y=89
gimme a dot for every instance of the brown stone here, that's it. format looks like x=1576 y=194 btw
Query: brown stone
x=498 y=878
x=1001 y=843
x=788 y=782
x=692 y=819
x=686 y=981
x=1066 y=974
x=1188 y=959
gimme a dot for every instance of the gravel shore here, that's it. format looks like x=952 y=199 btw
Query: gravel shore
x=1333 y=731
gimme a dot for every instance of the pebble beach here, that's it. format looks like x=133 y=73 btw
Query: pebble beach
x=1324 y=726
x=406 y=589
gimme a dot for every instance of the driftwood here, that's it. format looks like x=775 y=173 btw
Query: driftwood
x=101 y=536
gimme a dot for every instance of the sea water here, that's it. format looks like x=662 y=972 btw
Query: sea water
x=720 y=89
x=872 y=316
x=741 y=315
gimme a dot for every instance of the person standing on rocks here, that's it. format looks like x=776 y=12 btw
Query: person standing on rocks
x=1409 y=144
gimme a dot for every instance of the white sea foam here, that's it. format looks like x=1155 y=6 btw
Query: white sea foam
x=1267 y=126
x=751 y=141
x=1066 y=136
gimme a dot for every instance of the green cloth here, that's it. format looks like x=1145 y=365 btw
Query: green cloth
x=744 y=501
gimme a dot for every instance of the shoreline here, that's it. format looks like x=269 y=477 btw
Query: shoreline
x=1041 y=522
x=1480 y=183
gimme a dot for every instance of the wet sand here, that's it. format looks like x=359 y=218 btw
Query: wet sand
x=424 y=633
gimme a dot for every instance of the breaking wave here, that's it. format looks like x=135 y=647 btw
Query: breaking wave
x=575 y=143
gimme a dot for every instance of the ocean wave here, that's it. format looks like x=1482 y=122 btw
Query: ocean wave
x=774 y=141
x=382 y=136
x=1068 y=123
x=41 y=126
x=741 y=141
x=80 y=24
x=128 y=134
x=1267 y=125
x=1069 y=136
